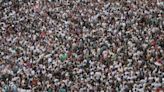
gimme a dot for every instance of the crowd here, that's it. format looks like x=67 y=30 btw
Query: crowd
x=81 y=45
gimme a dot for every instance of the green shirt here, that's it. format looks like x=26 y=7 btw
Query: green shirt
x=50 y=90
x=63 y=57
x=62 y=90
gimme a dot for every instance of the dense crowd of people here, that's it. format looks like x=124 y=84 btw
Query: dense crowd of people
x=81 y=45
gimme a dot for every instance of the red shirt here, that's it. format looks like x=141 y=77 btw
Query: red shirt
x=43 y=34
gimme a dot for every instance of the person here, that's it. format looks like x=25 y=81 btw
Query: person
x=13 y=87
